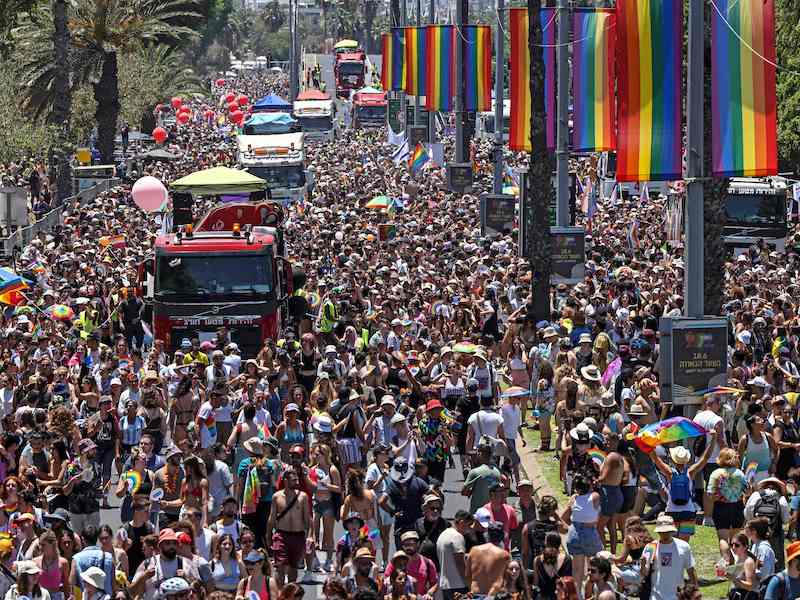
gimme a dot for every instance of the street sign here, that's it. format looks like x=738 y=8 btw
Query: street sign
x=693 y=357
x=498 y=212
x=569 y=255
x=423 y=116
x=394 y=114
x=459 y=177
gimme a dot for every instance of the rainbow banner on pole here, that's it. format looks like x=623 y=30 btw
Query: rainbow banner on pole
x=649 y=34
x=393 y=60
x=744 y=128
x=478 y=67
x=416 y=58
x=440 y=71
x=520 y=127
x=593 y=80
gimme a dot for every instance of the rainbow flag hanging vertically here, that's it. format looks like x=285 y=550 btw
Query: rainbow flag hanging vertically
x=744 y=128
x=393 y=60
x=593 y=80
x=649 y=37
x=478 y=67
x=416 y=58
x=440 y=71
x=418 y=159
x=520 y=127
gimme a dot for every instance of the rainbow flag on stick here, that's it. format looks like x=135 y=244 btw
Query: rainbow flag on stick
x=520 y=129
x=669 y=430
x=593 y=80
x=440 y=71
x=418 y=159
x=649 y=34
x=744 y=129
x=416 y=59
x=393 y=60
x=478 y=67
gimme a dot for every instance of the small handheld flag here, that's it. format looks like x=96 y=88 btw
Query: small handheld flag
x=418 y=159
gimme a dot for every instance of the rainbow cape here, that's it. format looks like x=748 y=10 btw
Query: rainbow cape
x=252 y=492
x=666 y=431
x=418 y=159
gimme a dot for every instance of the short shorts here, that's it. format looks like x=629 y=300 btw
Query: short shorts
x=325 y=508
x=684 y=521
x=611 y=500
x=288 y=547
x=629 y=495
x=728 y=515
x=583 y=539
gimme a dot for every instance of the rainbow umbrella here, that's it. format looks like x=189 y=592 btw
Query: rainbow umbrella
x=465 y=348
x=23 y=310
x=10 y=282
x=515 y=391
x=60 y=312
x=380 y=203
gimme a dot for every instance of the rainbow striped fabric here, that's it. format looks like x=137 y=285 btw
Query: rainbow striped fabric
x=743 y=105
x=520 y=127
x=418 y=159
x=593 y=80
x=478 y=67
x=440 y=73
x=649 y=34
x=416 y=57
x=393 y=60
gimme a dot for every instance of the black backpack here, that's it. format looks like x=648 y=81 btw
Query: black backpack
x=768 y=506
x=783 y=590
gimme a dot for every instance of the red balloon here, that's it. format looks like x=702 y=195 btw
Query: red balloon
x=160 y=135
x=237 y=116
x=230 y=97
x=233 y=106
x=176 y=102
x=183 y=118
x=220 y=82
x=242 y=100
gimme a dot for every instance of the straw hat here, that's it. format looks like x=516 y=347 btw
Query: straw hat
x=680 y=455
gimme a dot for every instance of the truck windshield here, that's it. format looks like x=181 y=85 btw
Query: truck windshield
x=351 y=68
x=372 y=112
x=755 y=209
x=218 y=275
x=315 y=123
x=289 y=176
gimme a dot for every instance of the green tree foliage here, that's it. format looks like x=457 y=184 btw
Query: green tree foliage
x=788 y=55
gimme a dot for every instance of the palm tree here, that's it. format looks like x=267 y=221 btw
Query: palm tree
x=10 y=11
x=539 y=188
x=62 y=100
x=101 y=31
x=274 y=16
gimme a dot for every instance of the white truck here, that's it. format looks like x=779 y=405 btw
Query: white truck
x=316 y=118
x=484 y=122
x=279 y=160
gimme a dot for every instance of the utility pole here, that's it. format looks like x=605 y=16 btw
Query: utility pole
x=416 y=98
x=431 y=120
x=294 y=73
x=462 y=126
x=562 y=152
x=693 y=274
x=499 y=81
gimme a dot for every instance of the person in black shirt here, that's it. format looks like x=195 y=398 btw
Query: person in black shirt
x=403 y=497
x=136 y=530
x=430 y=526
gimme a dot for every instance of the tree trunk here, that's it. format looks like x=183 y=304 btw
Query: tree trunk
x=714 y=190
x=539 y=187
x=106 y=95
x=62 y=103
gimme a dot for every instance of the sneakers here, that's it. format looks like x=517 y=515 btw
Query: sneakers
x=316 y=566
x=328 y=567
x=308 y=577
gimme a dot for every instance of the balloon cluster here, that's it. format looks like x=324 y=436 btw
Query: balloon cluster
x=236 y=105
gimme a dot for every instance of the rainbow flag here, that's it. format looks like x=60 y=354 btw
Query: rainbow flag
x=478 y=67
x=416 y=59
x=418 y=159
x=393 y=60
x=520 y=127
x=744 y=129
x=673 y=429
x=593 y=80
x=649 y=34
x=440 y=70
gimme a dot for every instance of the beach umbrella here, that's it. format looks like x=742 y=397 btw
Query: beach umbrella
x=60 y=312
x=345 y=44
x=465 y=347
x=380 y=202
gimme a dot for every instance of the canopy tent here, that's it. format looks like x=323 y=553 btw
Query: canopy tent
x=271 y=119
x=313 y=95
x=218 y=180
x=160 y=154
x=272 y=103
x=345 y=44
x=135 y=136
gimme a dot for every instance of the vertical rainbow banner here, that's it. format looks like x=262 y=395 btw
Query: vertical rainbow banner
x=520 y=128
x=649 y=36
x=393 y=60
x=478 y=67
x=416 y=53
x=440 y=71
x=744 y=128
x=593 y=80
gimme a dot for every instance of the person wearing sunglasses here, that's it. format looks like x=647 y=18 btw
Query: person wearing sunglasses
x=258 y=580
x=741 y=570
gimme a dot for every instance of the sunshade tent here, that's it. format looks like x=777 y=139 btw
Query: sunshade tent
x=270 y=119
x=345 y=44
x=272 y=103
x=218 y=180
x=313 y=95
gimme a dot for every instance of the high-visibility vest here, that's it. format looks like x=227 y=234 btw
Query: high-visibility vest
x=328 y=317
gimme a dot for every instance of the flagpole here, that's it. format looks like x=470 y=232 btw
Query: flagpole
x=562 y=152
x=459 y=104
x=499 y=81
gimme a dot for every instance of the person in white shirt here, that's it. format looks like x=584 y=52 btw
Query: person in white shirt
x=485 y=422
x=217 y=373
x=667 y=559
x=233 y=360
x=710 y=420
x=512 y=427
x=395 y=337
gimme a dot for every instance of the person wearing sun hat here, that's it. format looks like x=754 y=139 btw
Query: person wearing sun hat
x=668 y=560
x=786 y=584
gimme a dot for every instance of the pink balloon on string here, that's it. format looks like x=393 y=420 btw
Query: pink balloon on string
x=149 y=194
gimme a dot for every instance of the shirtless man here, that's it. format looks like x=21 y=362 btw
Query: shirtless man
x=290 y=520
x=486 y=563
x=610 y=480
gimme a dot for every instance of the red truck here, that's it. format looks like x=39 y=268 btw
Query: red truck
x=227 y=271
x=369 y=108
x=349 y=69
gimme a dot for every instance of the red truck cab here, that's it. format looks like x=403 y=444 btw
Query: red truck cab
x=349 y=70
x=369 y=108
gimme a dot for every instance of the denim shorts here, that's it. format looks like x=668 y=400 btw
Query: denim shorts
x=583 y=539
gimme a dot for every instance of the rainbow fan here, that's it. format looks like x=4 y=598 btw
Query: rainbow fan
x=133 y=479
x=597 y=455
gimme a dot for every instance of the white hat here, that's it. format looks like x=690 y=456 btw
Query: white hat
x=398 y=418
x=581 y=433
x=591 y=423
x=323 y=424
x=585 y=338
x=591 y=372
x=758 y=382
x=744 y=337
x=27 y=567
x=388 y=400
x=680 y=455
x=330 y=349
x=23 y=319
x=401 y=470
x=483 y=516
x=95 y=576
x=665 y=524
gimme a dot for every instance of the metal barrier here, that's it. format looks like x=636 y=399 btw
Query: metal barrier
x=22 y=236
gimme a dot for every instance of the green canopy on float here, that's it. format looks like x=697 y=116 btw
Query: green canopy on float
x=218 y=180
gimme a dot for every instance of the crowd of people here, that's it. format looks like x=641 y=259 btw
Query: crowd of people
x=328 y=452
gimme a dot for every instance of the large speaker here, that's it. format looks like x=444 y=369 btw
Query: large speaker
x=182 y=209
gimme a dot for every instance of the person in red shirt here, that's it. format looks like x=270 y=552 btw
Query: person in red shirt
x=502 y=512
x=419 y=567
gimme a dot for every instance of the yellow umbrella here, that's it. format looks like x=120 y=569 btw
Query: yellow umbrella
x=345 y=44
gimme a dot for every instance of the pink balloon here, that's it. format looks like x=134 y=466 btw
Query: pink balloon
x=149 y=194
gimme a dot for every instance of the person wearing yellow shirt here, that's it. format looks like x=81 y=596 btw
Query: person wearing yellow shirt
x=195 y=354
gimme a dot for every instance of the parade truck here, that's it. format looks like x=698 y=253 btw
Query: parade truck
x=755 y=209
x=349 y=70
x=227 y=270
x=315 y=111
x=278 y=159
x=369 y=108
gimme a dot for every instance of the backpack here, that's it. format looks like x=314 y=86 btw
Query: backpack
x=768 y=506
x=783 y=591
x=680 y=488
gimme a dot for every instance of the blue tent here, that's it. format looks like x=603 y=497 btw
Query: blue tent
x=272 y=103
x=269 y=123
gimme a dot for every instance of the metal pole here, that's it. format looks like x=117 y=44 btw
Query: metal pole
x=293 y=66
x=562 y=152
x=431 y=120
x=403 y=96
x=694 y=272
x=459 y=104
x=416 y=98
x=499 y=77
